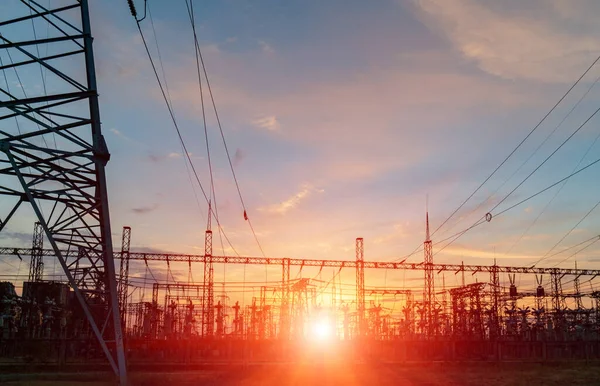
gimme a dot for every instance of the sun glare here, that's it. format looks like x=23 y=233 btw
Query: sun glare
x=321 y=330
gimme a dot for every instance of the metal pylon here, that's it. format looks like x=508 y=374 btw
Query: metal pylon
x=36 y=265
x=360 y=286
x=429 y=290
x=124 y=274
x=53 y=154
x=208 y=306
x=284 y=317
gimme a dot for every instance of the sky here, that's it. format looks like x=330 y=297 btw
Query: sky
x=348 y=119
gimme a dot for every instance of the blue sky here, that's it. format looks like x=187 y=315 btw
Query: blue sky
x=344 y=115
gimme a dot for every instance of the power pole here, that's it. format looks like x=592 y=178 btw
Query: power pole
x=208 y=309
x=124 y=273
x=36 y=266
x=495 y=281
x=284 y=313
x=429 y=290
x=56 y=161
x=360 y=285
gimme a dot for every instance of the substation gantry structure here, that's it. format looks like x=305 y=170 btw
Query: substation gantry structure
x=53 y=155
x=469 y=292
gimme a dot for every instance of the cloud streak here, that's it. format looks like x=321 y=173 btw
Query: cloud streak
x=292 y=202
x=514 y=42
x=145 y=209
x=268 y=123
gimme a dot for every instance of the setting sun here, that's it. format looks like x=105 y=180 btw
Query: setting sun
x=321 y=330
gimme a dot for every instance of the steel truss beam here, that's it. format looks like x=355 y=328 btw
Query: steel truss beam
x=53 y=154
x=278 y=261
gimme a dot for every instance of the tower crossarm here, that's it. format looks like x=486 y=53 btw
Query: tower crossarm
x=278 y=261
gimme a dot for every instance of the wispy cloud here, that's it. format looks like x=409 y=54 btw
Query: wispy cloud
x=162 y=157
x=144 y=209
x=265 y=47
x=118 y=133
x=514 y=42
x=268 y=123
x=293 y=201
x=21 y=238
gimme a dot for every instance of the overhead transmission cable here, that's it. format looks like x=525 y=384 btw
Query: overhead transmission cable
x=518 y=146
x=173 y=119
x=594 y=241
x=148 y=11
x=488 y=216
x=237 y=185
x=568 y=233
x=595 y=238
x=537 y=149
x=455 y=236
x=213 y=194
x=556 y=193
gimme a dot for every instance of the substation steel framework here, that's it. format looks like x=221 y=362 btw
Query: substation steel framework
x=429 y=289
x=556 y=274
x=36 y=265
x=302 y=262
x=360 y=284
x=124 y=273
x=53 y=154
x=208 y=288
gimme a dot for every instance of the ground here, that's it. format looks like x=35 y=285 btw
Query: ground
x=340 y=374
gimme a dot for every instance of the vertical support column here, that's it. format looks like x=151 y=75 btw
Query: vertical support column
x=220 y=319
x=284 y=318
x=124 y=274
x=208 y=309
x=36 y=266
x=429 y=290
x=101 y=156
x=334 y=310
x=70 y=176
x=444 y=304
x=360 y=285
x=495 y=281
x=556 y=291
x=577 y=288
x=262 y=319
x=207 y=299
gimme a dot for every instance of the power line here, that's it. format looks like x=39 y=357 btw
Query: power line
x=575 y=246
x=246 y=217
x=485 y=218
x=595 y=240
x=556 y=193
x=547 y=158
x=190 y=10
x=569 y=232
x=518 y=146
x=148 y=11
x=173 y=119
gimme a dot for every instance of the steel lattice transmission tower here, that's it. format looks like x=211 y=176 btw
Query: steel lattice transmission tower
x=124 y=274
x=429 y=290
x=208 y=310
x=53 y=154
x=36 y=266
x=284 y=318
x=360 y=285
